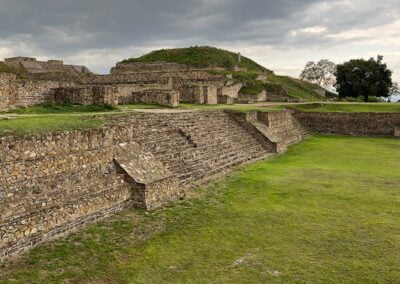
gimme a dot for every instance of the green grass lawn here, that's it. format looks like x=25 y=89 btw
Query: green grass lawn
x=346 y=107
x=66 y=108
x=297 y=89
x=326 y=211
x=43 y=124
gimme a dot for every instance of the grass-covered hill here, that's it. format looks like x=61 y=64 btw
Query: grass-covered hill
x=4 y=68
x=205 y=56
x=200 y=56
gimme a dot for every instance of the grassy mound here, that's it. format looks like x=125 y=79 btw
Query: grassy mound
x=200 y=56
x=327 y=211
x=205 y=56
x=65 y=108
x=45 y=124
x=4 y=68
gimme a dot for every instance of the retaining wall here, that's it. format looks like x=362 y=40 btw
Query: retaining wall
x=354 y=124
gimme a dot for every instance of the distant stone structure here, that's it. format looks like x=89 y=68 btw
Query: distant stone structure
x=156 y=82
x=54 y=183
x=31 y=65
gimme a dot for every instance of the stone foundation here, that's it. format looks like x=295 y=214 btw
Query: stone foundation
x=52 y=184
x=157 y=96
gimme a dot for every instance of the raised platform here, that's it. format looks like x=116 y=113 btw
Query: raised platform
x=52 y=184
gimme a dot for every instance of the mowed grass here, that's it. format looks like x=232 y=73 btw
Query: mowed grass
x=44 y=124
x=346 y=107
x=65 y=108
x=326 y=211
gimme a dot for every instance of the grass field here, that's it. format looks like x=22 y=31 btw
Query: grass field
x=326 y=211
x=348 y=107
x=43 y=124
x=66 y=108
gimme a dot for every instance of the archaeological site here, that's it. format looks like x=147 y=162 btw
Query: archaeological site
x=54 y=183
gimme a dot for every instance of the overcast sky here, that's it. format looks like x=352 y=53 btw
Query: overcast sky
x=282 y=35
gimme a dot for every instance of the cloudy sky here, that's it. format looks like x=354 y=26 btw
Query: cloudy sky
x=280 y=34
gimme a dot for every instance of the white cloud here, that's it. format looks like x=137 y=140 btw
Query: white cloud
x=314 y=30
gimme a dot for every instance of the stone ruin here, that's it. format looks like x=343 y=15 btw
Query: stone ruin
x=54 y=183
x=31 y=65
x=45 y=82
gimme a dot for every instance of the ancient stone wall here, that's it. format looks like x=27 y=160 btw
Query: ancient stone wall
x=252 y=98
x=355 y=124
x=232 y=90
x=32 y=66
x=134 y=67
x=7 y=87
x=16 y=92
x=86 y=95
x=156 y=96
x=54 y=183
x=31 y=93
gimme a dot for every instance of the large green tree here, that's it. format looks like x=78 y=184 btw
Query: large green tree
x=363 y=78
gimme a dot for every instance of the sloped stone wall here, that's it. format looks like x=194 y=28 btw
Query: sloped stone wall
x=52 y=184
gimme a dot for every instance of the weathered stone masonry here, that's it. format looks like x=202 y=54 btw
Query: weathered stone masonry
x=16 y=92
x=52 y=184
x=354 y=124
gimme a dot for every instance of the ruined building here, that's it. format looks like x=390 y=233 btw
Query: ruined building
x=41 y=82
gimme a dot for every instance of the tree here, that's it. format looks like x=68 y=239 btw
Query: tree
x=393 y=91
x=321 y=73
x=365 y=78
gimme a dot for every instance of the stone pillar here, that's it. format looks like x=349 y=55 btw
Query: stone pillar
x=397 y=132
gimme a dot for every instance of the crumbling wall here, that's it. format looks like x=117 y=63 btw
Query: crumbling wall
x=135 y=67
x=54 y=183
x=157 y=96
x=86 y=95
x=199 y=93
x=31 y=93
x=232 y=90
x=7 y=88
x=15 y=92
x=252 y=98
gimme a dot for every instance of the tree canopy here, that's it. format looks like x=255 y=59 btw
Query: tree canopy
x=321 y=73
x=363 y=78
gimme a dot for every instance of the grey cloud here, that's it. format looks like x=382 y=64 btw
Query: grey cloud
x=64 y=28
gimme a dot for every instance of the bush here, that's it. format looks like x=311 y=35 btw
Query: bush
x=276 y=89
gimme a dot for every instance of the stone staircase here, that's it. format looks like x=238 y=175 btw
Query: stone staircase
x=195 y=146
x=280 y=128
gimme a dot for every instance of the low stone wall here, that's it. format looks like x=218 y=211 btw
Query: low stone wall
x=157 y=96
x=252 y=98
x=355 y=124
x=16 y=92
x=86 y=95
x=134 y=67
x=7 y=87
x=199 y=94
x=52 y=184
x=232 y=90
